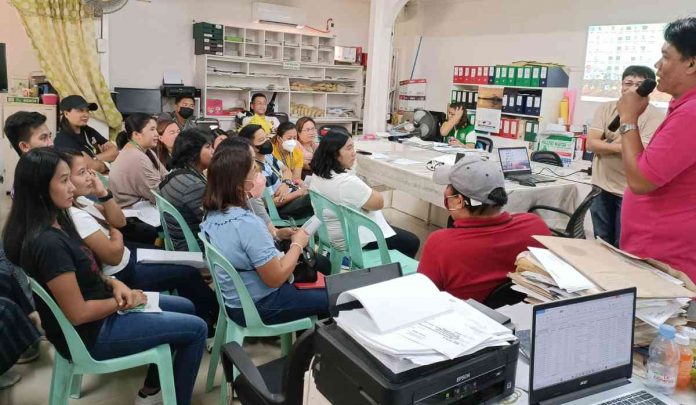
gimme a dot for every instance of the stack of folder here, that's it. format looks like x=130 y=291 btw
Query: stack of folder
x=469 y=98
x=576 y=267
x=519 y=75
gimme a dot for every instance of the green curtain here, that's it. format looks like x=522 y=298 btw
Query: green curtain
x=62 y=33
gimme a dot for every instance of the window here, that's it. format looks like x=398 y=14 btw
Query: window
x=612 y=48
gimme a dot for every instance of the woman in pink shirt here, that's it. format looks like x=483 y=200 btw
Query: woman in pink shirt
x=306 y=133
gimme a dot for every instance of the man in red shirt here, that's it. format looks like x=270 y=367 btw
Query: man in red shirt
x=659 y=210
x=474 y=257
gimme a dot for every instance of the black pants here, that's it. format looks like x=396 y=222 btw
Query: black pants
x=404 y=241
x=138 y=231
x=298 y=208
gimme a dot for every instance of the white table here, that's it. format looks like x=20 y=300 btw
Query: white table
x=521 y=316
x=384 y=168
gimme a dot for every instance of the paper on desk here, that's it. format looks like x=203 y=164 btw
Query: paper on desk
x=415 y=297
x=656 y=316
x=564 y=274
x=193 y=259
x=152 y=304
x=145 y=212
x=383 y=134
x=458 y=333
x=377 y=155
x=418 y=141
x=404 y=161
x=529 y=292
x=461 y=331
x=446 y=159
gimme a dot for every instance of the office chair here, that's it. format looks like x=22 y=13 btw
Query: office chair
x=503 y=295
x=484 y=143
x=282 y=117
x=278 y=382
x=324 y=129
x=548 y=157
x=575 y=227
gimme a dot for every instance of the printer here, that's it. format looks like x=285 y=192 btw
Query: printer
x=346 y=373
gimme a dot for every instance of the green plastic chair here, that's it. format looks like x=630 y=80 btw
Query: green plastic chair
x=165 y=207
x=104 y=180
x=364 y=259
x=275 y=216
x=228 y=331
x=322 y=204
x=67 y=375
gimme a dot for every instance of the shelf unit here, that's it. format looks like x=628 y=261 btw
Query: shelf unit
x=315 y=90
x=550 y=100
x=296 y=66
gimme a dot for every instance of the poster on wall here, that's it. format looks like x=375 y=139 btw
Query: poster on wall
x=489 y=109
x=412 y=94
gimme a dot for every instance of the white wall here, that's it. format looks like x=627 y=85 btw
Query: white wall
x=147 y=38
x=21 y=58
x=489 y=32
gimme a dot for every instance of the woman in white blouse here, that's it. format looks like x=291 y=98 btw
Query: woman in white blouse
x=334 y=179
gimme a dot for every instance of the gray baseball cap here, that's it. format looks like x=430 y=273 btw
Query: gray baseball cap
x=474 y=176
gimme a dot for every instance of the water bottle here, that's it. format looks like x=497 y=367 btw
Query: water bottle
x=663 y=361
x=686 y=358
x=691 y=334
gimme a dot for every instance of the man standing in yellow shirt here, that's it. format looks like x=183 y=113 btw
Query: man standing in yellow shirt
x=259 y=104
x=607 y=168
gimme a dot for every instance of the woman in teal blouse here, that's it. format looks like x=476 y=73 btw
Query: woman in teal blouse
x=457 y=131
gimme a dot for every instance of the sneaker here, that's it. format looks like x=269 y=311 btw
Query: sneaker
x=8 y=379
x=31 y=354
x=209 y=342
x=154 y=399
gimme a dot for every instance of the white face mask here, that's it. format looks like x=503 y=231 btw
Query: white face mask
x=289 y=145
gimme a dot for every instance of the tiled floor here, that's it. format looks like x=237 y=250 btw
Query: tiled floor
x=120 y=388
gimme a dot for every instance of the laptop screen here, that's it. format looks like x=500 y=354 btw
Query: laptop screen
x=514 y=160
x=576 y=339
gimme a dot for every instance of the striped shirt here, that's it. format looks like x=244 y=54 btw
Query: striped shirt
x=184 y=189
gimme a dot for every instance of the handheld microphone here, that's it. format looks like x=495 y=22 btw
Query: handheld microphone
x=643 y=90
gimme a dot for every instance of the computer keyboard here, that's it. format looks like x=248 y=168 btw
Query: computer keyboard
x=534 y=178
x=640 y=397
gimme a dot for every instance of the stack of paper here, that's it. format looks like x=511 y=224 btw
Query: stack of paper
x=407 y=322
x=145 y=212
x=193 y=259
x=589 y=267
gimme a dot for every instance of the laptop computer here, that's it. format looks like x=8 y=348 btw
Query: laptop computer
x=516 y=166
x=582 y=352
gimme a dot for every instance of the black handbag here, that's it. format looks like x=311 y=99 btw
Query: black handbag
x=305 y=269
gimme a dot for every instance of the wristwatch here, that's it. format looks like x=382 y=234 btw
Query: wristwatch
x=627 y=127
x=106 y=198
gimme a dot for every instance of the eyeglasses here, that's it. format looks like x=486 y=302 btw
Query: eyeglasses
x=309 y=130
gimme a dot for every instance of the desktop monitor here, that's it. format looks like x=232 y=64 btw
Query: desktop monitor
x=129 y=100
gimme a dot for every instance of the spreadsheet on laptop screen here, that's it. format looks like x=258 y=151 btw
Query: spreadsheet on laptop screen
x=514 y=159
x=583 y=338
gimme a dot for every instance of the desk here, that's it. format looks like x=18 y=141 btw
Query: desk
x=521 y=316
x=416 y=180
